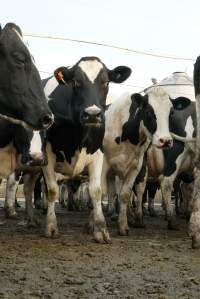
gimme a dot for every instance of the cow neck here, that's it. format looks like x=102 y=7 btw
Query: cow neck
x=68 y=137
x=7 y=132
x=131 y=128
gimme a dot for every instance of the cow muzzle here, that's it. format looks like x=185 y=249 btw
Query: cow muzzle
x=92 y=117
x=163 y=142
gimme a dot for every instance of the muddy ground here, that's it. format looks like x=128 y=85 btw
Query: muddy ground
x=149 y=263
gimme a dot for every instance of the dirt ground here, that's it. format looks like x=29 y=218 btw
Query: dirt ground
x=149 y=263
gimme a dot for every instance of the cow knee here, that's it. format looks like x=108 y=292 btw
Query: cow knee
x=53 y=192
x=95 y=192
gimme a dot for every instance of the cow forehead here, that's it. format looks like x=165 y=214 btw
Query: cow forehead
x=159 y=100
x=91 y=68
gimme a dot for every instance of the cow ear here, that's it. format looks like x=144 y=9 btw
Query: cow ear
x=119 y=74
x=63 y=74
x=139 y=99
x=180 y=103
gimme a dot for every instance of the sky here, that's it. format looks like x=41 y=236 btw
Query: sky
x=167 y=27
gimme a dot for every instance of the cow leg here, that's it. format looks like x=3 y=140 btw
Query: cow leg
x=37 y=194
x=112 y=198
x=53 y=194
x=11 y=189
x=100 y=231
x=140 y=184
x=152 y=189
x=29 y=184
x=124 y=198
x=194 y=223
x=166 y=189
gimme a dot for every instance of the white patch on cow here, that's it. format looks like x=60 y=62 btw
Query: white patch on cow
x=189 y=128
x=91 y=68
x=78 y=162
x=161 y=104
x=93 y=109
x=50 y=86
x=16 y=121
x=36 y=143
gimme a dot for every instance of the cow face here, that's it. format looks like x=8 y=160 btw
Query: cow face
x=90 y=79
x=161 y=106
x=22 y=98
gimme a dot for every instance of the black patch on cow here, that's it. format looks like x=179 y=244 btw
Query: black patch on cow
x=171 y=156
x=118 y=140
x=177 y=124
x=140 y=110
x=140 y=177
x=67 y=137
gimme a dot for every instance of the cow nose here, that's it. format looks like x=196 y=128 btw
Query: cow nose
x=46 y=120
x=93 y=110
x=92 y=114
x=166 y=142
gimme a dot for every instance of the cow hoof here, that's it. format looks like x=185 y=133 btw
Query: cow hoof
x=35 y=222
x=102 y=237
x=196 y=242
x=124 y=231
x=52 y=232
x=114 y=217
x=152 y=213
x=138 y=223
x=172 y=225
x=11 y=215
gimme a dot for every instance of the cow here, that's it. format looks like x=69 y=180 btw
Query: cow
x=22 y=98
x=194 y=224
x=77 y=98
x=13 y=154
x=133 y=123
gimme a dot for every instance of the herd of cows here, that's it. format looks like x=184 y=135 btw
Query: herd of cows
x=61 y=125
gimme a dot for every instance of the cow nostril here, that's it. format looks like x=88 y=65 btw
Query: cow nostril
x=47 y=120
x=161 y=140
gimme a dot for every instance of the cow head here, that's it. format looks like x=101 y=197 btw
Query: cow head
x=22 y=98
x=156 y=107
x=33 y=153
x=89 y=79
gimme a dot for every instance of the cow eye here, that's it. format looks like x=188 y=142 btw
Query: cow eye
x=20 y=62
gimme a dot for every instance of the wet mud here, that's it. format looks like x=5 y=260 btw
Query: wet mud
x=149 y=263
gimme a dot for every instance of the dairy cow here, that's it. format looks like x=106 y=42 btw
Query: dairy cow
x=133 y=123
x=22 y=98
x=77 y=98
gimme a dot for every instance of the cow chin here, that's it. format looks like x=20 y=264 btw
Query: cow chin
x=93 y=125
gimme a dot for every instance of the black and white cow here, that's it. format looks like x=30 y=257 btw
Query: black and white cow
x=133 y=122
x=77 y=98
x=22 y=98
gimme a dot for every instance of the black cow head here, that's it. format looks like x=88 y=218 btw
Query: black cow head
x=89 y=79
x=22 y=98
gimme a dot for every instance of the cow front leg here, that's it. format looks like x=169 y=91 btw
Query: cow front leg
x=194 y=223
x=51 y=229
x=166 y=189
x=29 y=184
x=99 y=227
x=11 y=189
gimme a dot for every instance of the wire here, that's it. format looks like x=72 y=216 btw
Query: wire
x=141 y=52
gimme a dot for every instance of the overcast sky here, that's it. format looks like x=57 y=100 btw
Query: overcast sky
x=170 y=26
